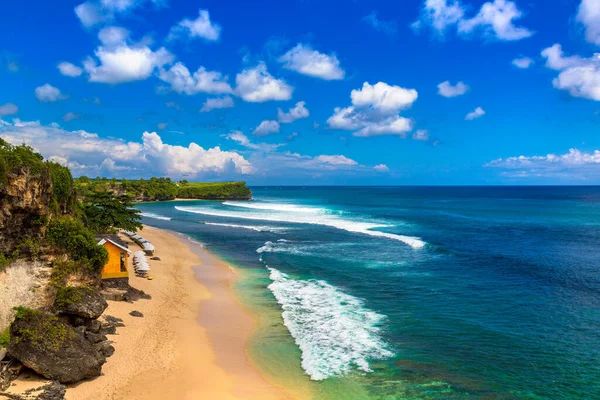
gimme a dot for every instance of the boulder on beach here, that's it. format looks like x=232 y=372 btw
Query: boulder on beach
x=52 y=348
x=81 y=301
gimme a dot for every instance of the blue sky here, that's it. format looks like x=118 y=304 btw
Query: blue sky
x=308 y=92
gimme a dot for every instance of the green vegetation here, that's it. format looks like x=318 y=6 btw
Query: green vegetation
x=5 y=337
x=44 y=330
x=66 y=296
x=14 y=158
x=104 y=212
x=161 y=189
x=61 y=269
x=69 y=236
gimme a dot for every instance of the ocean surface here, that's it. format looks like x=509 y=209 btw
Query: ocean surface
x=414 y=292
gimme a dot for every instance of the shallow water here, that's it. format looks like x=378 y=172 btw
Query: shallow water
x=414 y=292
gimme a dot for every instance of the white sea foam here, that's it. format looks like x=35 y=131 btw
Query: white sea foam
x=334 y=330
x=276 y=207
x=334 y=221
x=281 y=246
x=264 y=228
x=155 y=216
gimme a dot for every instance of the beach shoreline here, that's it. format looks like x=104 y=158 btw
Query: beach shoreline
x=190 y=342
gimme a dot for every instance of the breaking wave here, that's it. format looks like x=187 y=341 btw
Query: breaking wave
x=334 y=330
x=326 y=220
x=273 y=229
x=155 y=216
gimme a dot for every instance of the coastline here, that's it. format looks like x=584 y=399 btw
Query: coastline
x=191 y=342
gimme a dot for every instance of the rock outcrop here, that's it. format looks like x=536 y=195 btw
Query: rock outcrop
x=80 y=301
x=52 y=348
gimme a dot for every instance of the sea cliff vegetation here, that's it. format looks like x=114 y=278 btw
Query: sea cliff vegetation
x=162 y=189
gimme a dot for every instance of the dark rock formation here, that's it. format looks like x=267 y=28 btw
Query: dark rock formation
x=136 y=313
x=80 y=301
x=110 y=325
x=52 y=348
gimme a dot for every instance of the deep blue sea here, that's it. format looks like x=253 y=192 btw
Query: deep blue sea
x=417 y=292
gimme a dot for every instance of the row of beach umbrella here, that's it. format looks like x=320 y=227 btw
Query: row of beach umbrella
x=145 y=244
x=140 y=264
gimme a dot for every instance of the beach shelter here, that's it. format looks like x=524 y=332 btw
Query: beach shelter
x=118 y=256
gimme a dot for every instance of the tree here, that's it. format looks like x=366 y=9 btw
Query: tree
x=105 y=212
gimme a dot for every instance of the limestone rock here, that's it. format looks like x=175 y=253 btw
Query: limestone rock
x=50 y=347
x=81 y=301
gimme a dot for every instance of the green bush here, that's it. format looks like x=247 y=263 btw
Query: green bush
x=43 y=330
x=66 y=296
x=61 y=269
x=5 y=337
x=4 y=261
x=69 y=236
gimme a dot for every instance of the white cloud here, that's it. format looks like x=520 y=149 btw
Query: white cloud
x=87 y=152
x=257 y=85
x=381 y=168
x=297 y=112
x=266 y=127
x=523 y=62
x=8 y=109
x=476 y=113
x=202 y=81
x=124 y=63
x=161 y=126
x=421 y=134
x=440 y=15
x=578 y=76
x=217 y=103
x=68 y=69
x=241 y=139
x=70 y=116
x=48 y=93
x=494 y=19
x=383 y=97
x=113 y=35
x=387 y=27
x=375 y=111
x=90 y=14
x=447 y=90
x=201 y=27
x=575 y=164
x=336 y=160
x=589 y=15
x=305 y=60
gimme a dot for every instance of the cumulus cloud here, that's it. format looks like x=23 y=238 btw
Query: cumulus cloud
x=217 y=103
x=201 y=81
x=8 y=109
x=575 y=164
x=113 y=35
x=387 y=27
x=266 y=127
x=303 y=59
x=381 y=168
x=48 y=93
x=447 y=90
x=375 y=111
x=257 y=85
x=589 y=15
x=120 y=63
x=476 y=113
x=494 y=20
x=421 y=134
x=68 y=69
x=87 y=153
x=578 y=76
x=90 y=14
x=523 y=62
x=297 y=112
x=201 y=27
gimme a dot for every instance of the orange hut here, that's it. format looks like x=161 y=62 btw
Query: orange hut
x=118 y=256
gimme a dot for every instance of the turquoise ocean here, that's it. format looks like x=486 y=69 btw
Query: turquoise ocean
x=413 y=292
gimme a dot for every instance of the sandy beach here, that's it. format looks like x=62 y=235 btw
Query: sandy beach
x=190 y=343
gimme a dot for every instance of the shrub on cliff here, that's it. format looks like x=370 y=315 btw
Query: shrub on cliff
x=104 y=212
x=70 y=237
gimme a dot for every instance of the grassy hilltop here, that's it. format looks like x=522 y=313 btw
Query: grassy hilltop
x=161 y=189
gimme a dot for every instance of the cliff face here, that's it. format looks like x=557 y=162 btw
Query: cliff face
x=24 y=207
